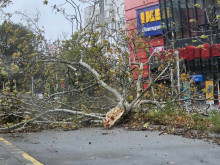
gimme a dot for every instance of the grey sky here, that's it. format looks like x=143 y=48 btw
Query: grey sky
x=55 y=24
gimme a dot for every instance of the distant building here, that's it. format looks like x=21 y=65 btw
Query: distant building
x=143 y=17
x=107 y=17
x=194 y=24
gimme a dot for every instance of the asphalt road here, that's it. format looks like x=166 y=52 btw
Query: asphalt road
x=96 y=146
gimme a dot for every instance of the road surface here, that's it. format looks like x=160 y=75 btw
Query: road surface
x=96 y=146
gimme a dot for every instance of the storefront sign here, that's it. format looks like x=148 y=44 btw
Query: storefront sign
x=209 y=92
x=149 y=21
x=197 y=77
x=156 y=49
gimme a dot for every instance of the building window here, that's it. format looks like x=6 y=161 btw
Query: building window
x=214 y=64
x=119 y=37
x=109 y=26
x=107 y=13
x=122 y=20
x=177 y=20
x=205 y=65
x=110 y=39
x=97 y=18
x=122 y=8
x=186 y=19
x=197 y=65
x=114 y=25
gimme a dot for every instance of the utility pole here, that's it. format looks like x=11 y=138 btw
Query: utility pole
x=171 y=79
x=178 y=71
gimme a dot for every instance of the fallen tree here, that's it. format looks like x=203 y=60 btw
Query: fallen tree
x=90 y=78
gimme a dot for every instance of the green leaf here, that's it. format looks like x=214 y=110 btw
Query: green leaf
x=203 y=36
x=197 y=5
x=146 y=125
x=192 y=20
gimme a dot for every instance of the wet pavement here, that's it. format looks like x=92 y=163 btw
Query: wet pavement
x=96 y=146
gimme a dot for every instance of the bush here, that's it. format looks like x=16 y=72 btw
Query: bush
x=175 y=118
x=215 y=118
x=179 y=119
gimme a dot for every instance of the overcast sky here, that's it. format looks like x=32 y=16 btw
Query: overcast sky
x=55 y=24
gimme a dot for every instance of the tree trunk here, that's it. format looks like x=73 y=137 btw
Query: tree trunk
x=113 y=116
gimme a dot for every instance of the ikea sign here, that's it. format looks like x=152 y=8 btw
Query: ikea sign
x=149 y=21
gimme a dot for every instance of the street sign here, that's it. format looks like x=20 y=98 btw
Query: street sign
x=197 y=77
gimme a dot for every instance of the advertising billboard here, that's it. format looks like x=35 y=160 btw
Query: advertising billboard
x=149 y=21
x=209 y=92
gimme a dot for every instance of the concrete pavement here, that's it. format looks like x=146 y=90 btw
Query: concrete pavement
x=10 y=154
x=96 y=146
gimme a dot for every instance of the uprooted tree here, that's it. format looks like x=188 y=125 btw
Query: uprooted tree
x=88 y=76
